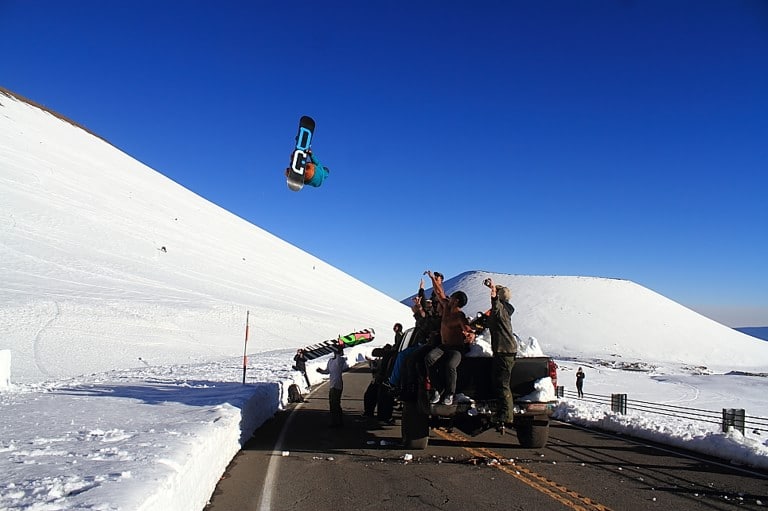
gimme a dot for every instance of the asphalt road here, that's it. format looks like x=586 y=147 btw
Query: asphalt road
x=296 y=462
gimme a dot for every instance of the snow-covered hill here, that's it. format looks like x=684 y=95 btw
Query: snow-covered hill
x=613 y=320
x=105 y=262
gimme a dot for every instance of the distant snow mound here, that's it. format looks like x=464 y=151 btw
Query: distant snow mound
x=611 y=320
x=529 y=348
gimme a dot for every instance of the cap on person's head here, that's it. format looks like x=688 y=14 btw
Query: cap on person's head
x=438 y=275
x=460 y=297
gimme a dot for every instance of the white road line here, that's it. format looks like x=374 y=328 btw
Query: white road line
x=272 y=467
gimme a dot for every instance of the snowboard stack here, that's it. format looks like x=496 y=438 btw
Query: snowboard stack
x=314 y=351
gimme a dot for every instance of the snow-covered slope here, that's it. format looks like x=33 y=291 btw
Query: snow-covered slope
x=82 y=231
x=613 y=320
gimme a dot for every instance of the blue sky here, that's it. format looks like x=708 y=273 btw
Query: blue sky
x=623 y=139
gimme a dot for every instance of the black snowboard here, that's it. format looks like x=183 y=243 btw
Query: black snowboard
x=295 y=171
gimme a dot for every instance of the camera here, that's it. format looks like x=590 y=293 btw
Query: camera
x=480 y=323
x=487 y=282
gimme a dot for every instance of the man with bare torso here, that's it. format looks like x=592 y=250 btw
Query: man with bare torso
x=455 y=334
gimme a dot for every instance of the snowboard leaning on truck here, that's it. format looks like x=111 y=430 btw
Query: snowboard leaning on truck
x=299 y=156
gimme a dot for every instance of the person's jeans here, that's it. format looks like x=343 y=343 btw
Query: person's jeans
x=450 y=360
x=394 y=378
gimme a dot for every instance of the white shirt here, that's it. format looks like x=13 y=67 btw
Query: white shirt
x=336 y=366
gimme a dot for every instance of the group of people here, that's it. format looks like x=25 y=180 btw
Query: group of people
x=444 y=334
x=455 y=335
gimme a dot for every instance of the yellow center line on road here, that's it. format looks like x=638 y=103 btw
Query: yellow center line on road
x=556 y=491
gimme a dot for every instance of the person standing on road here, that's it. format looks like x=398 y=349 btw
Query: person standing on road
x=504 y=349
x=336 y=366
x=301 y=366
x=580 y=382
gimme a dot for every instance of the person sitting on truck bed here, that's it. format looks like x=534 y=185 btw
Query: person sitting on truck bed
x=504 y=348
x=427 y=314
x=427 y=328
x=455 y=332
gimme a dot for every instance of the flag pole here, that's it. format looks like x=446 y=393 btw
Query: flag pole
x=245 y=345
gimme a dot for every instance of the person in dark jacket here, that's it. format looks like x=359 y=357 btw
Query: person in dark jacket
x=377 y=395
x=398 y=329
x=580 y=382
x=504 y=348
x=301 y=365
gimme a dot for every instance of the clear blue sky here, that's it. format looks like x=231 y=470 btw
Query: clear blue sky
x=621 y=138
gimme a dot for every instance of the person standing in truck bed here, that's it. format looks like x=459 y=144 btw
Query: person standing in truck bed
x=504 y=348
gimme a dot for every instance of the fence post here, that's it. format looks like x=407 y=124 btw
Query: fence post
x=619 y=403
x=560 y=391
x=245 y=344
x=733 y=418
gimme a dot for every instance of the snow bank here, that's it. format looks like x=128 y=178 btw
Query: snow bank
x=543 y=391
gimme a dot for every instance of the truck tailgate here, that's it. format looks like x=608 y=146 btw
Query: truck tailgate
x=474 y=376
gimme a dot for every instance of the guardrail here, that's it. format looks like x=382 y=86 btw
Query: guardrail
x=727 y=418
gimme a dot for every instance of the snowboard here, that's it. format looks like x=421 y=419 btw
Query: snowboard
x=319 y=349
x=295 y=176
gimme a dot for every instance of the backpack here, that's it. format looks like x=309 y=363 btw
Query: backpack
x=294 y=394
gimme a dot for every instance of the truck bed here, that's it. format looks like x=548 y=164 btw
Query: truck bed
x=473 y=376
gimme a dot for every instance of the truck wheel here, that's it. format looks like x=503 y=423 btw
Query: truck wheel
x=414 y=426
x=532 y=433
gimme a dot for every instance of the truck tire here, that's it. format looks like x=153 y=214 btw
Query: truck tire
x=533 y=432
x=414 y=426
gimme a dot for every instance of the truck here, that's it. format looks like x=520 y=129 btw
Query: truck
x=473 y=414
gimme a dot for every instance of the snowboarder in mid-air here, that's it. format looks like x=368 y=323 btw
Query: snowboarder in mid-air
x=305 y=168
x=314 y=171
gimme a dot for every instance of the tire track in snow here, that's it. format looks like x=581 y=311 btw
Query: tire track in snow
x=37 y=348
